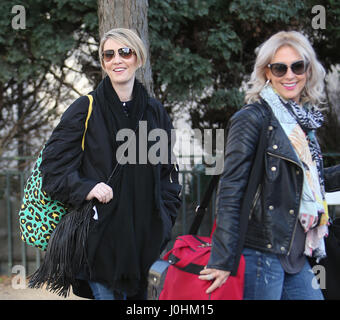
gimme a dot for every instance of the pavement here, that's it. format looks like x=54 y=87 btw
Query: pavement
x=8 y=292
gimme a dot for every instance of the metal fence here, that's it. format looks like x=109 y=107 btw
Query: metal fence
x=13 y=251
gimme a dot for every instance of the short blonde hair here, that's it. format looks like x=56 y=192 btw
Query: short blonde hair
x=128 y=38
x=314 y=88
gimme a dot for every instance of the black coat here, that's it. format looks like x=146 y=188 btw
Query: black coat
x=87 y=167
x=69 y=173
x=274 y=215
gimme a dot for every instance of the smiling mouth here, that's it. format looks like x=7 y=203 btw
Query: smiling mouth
x=118 y=69
x=289 y=86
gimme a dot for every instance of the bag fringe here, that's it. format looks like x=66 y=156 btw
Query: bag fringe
x=66 y=252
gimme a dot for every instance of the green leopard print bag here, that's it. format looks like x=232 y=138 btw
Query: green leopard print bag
x=39 y=214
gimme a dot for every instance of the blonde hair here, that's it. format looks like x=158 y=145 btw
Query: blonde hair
x=314 y=88
x=128 y=38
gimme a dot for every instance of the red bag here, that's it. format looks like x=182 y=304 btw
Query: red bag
x=187 y=258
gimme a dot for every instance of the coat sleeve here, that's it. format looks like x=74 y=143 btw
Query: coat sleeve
x=62 y=157
x=243 y=136
x=332 y=178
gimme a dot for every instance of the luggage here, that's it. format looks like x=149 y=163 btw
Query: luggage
x=157 y=274
x=175 y=277
x=187 y=258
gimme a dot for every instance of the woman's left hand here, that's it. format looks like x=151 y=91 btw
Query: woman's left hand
x=219 y=277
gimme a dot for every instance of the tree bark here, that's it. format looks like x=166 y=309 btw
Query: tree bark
x=131 y=14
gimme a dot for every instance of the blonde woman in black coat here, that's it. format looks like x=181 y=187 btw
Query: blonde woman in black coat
x=133 y=213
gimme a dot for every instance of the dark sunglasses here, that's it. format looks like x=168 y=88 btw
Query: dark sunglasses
x=280 y=69
x=125 y=53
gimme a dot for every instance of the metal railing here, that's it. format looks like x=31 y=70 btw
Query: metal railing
x=11 y=192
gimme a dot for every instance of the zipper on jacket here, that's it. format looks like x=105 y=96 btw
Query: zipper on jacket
x=294 y=231
x=256 y=197
x=290 y=160
x=296 y=222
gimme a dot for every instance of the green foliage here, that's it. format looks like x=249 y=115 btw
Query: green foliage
x=266 y=10
x=51 y=34
x=203 y=51
x=327 y=41
x=32 y=65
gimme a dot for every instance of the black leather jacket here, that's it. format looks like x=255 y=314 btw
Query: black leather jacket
x=274 y=215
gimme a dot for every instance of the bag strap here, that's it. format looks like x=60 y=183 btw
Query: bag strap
x=202 y=207
x=87 y=120
x=186 y=265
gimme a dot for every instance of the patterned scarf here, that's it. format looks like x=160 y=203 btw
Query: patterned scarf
x=299 y=124
x=309 y=118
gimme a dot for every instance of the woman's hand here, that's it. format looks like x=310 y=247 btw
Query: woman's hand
x=102 y=192
x=219 y=277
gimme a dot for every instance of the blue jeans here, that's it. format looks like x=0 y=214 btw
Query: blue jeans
x=101 y=292
x=265 y=279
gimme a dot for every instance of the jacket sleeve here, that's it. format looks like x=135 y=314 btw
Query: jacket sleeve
x=332 y=178
x=62 y=157
x=243 y=136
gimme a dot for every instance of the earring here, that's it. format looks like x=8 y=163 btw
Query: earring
x=267 y=83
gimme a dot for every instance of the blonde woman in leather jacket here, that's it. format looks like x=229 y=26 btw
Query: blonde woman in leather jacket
x=289 y=218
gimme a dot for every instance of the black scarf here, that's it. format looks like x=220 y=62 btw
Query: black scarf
x=126 y=239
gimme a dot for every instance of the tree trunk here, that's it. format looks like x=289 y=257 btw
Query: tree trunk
x=131 y=14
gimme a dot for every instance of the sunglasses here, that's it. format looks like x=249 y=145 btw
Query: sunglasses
x=280 y=69
x=125 y=53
